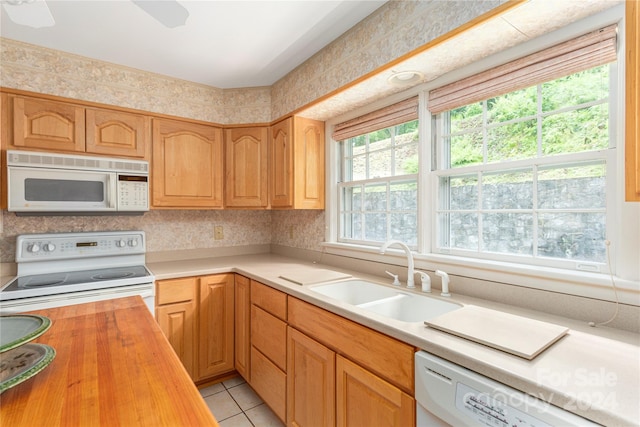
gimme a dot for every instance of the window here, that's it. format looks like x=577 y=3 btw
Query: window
x=522 y=169
x=524 y=174
x=378 y=189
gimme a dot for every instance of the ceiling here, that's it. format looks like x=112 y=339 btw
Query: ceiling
x=225 y=44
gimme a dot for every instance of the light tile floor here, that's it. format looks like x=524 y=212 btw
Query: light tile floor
x=234 y=404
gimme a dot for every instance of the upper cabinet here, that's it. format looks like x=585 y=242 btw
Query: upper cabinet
x=42 y=124
x=632 y=107
x=187 y=165
x=246 y=167
x=116 y=133
x=296 y=164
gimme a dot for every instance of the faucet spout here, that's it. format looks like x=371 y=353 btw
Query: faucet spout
x=410 y=272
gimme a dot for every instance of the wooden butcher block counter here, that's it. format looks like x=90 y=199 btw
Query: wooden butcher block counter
x=113 y=367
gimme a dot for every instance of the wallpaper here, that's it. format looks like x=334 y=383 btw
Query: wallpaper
x=395 y=29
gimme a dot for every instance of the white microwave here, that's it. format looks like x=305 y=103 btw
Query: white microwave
x=47 y=183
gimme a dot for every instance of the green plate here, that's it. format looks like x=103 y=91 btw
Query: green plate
x=18 y=329
x=20 y=364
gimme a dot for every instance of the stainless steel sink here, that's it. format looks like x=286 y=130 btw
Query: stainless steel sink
x=386 y=301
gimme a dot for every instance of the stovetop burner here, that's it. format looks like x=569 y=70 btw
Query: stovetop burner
x=112 y=275
x=44 y=280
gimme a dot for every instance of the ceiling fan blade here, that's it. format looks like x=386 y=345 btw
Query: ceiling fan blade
x=34 y=14
x=169 y=13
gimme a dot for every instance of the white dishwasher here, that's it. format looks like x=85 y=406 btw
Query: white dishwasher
x=448 y=394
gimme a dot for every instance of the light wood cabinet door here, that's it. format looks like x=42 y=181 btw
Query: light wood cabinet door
x=242 y=316
x=269 y=335
x=363 y=399
x=117 y=133
x=311 y=373
x=246 y=165
x=176 y=313
x=269 y=382
x=297 y=164
x=632 y=119
x=281 y=164
x=47 y=125
x=187 y=165
x=216 y=321
x=308 y=164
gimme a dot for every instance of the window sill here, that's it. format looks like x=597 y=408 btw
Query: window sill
x=578 y=283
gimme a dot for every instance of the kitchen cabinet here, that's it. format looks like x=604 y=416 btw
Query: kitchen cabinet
x=246 y=167
x=311 y=370
x=345 y=374
x=365 y=399
x=632 y=105
x=242 y=328
x=296 y=165
x=269 y=346
x=384 y=356
x=176 y=307
x=187 y=165
x=116 y=133
x=56 y=126
x=196 y=315
x=216 y=325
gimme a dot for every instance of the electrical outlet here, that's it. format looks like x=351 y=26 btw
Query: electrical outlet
x=218 y=232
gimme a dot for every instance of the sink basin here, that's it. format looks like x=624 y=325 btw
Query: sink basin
x=386 y=301
x=411 y=308
x=355 y=292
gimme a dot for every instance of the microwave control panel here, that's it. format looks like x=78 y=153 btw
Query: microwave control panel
x=133 y=192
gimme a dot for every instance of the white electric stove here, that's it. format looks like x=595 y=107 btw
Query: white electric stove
x=71 y=268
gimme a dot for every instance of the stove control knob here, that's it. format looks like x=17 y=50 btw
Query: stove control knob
x=49 y=247
x=121 y=243
x=34 y=248
x=133 y=243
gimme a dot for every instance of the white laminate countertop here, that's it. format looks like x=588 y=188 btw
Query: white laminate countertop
x=593 y=372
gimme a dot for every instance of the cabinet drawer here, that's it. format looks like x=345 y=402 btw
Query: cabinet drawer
x=269 y=299
x=269 y=382
x=269 y=335
x=387 y=357
x=175 y=290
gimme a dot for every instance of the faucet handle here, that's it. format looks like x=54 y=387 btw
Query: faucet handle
x=396 y=282
x=425 y=280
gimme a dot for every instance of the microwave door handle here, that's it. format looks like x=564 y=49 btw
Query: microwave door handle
x=111 y=191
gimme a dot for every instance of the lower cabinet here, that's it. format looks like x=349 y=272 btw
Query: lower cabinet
x=311 y=369
x=196 y=315
x=243 y=326
x=269 y=346
x=216 y=323
x=335 y=371
x=364 y=399
x=176 y=308
x=310 y=366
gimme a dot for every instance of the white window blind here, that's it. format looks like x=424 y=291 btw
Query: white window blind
x=587 y=51
x=401 y=112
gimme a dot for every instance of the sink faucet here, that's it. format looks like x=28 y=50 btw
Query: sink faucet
x=410 y=272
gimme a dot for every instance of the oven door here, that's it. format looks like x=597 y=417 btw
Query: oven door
x=60 y=190
x=146 y=291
